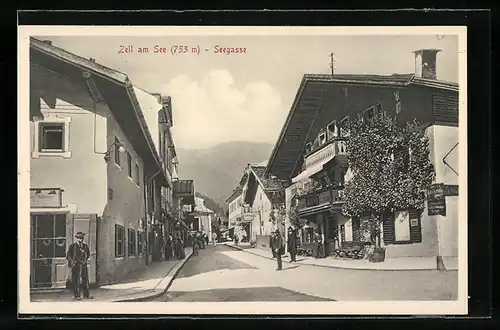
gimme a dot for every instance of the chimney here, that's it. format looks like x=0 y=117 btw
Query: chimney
x=92 y=60
x=425 y=63
x=48 y=42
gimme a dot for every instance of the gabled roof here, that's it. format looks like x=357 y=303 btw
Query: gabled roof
x=307 y=103
x=114 y=86
x=268 y=184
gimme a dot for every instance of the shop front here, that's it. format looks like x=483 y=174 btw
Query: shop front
x=52 y=230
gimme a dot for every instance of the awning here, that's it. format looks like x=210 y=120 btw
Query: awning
x=312 y=170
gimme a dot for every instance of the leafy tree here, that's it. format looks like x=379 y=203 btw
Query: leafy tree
x=391 y=169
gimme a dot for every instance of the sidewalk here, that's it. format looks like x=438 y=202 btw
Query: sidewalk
x=140 y=285
x=390 y=264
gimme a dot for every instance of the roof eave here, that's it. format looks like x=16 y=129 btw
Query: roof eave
x=285 y=126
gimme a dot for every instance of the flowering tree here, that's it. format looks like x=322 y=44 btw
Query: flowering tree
x=391 y=169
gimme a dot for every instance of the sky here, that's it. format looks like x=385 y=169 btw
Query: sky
x=219 y=98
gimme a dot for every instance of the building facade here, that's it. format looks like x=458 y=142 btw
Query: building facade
x=311 y=154
x=203 y=218
x=92 y=159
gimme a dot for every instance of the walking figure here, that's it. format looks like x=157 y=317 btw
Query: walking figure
x=277 y=244
x=292 y=244
x=214 y=238
x=77 y=256
x=271 y=244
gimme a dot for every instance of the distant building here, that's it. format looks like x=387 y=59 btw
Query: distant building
x=203 y=218
x=311 y=151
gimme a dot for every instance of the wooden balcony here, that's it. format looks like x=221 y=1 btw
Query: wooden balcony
x=320 y=201
x=319 y=153
x=185 y=190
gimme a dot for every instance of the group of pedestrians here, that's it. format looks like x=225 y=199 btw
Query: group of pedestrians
x=278 y=248
x=174 y=248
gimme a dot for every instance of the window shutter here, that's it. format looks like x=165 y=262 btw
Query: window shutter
x=388 y=227
x=415 y=226
x=356 y=231
x=342 y=233
x=69 y=230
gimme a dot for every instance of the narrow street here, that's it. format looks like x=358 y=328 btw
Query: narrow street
x=226 y=274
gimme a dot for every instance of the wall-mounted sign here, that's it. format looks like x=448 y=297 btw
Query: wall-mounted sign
x=436 y=200
x=451 y=190
x=46 y=197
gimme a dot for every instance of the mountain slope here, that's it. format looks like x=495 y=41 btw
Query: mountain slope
x=217 y=170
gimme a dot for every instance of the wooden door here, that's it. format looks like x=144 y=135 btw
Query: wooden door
x=86 y=223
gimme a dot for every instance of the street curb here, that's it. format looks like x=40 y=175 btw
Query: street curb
x=163 y=285
x=331 y=266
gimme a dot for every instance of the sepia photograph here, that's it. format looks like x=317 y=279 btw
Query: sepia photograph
x=233 y=170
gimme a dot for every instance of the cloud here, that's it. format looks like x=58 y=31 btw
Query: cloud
x=213 y=110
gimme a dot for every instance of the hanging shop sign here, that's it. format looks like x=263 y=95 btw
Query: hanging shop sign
x=248 y=217
x=436 y=200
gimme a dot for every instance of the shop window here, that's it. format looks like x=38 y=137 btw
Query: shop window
x=129 y=164
x=117 y=151
x=49 y=235
x=131 y=242
x=51 y=137
x=119 y=241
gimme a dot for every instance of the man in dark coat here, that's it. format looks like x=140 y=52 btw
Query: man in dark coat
x=77 y=256
x=292 y=244
x=277 y=244
x=271 y=244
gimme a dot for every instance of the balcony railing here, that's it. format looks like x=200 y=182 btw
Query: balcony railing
x=183 y=188
x=320 y=200
x=334 y=147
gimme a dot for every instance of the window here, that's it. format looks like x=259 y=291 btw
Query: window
x=137 y=175
x=131 y=242
x=402 y=158
x=140 y=242
x=119 y=241
x=117 y=151
x=332 y=130
x=372 y=112
x=49 y=235
x=322 y=138
x=348 y=231
x=308 y=146
x=344 y=127
x=51 y=137
x=129 y=164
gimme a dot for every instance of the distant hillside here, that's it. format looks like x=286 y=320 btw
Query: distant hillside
x=217 y=170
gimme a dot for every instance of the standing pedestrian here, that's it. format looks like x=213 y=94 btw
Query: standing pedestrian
x=77 y=256
x=168 y=244
x=271 y=244
x=292 y=244
x=277 y=244
x=214 y=238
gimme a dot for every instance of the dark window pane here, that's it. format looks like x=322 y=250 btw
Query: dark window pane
x=45 y=226
x=60 y=248
x=44 y=248
x=117 y=151
x=52 y=137
x=60 y=230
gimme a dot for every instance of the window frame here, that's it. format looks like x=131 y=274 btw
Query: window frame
x=407 y=241
x=116 y=152
x=119 y=229
x=137 y=175
x=131 y=242
x=129 y=165
x=343 y=131
x=335 y=132
x=37 y=139
x=140 y=241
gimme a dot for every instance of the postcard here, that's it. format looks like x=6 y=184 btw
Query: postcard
x=242 y=170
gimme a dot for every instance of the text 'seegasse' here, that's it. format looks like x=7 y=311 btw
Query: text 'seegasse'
x=181 y=49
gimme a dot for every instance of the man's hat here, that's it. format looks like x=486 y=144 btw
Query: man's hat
x=79 y=234
x=290 y=228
